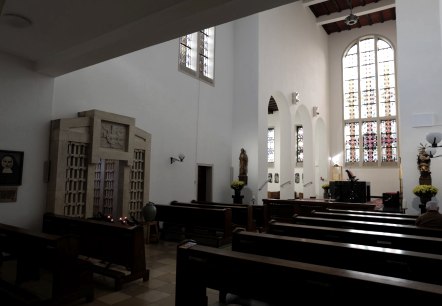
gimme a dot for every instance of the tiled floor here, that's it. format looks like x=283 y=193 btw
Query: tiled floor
x=159 y=290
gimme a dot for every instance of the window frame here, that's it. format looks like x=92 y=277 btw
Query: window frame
x=274 y=141
x=196 y=68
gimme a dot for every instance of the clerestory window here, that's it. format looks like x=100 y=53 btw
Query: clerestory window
x=370 y=103
x=197 y=54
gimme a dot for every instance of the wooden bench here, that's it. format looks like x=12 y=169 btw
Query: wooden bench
x=114 y=249
x=372 y=213
x=370 y=226
x=276 y=281
x=411 y=265
x=208 y=226
x=41 y=269
x=361 y=217
x=365 y=237
x=242 y=214
x=283 y=210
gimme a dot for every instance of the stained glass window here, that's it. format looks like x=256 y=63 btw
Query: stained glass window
x=271 y=145
x=370 y=104
x=197 y=54
x=299 y=144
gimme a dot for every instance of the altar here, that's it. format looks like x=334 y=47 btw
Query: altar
x=350 y=191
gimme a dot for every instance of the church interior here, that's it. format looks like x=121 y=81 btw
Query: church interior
x=269 y=107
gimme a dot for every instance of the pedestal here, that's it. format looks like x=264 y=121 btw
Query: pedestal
x=243 y=178
x=237 y=197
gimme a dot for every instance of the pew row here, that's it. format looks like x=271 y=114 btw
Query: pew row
x=411 y=265
x=361 y=217
x=242 y=214
x=115 y=250
x=207 y=226
x=276 y=281
x=365 y=237
x=373 y=213
x=370 y=226
x=283 y=210
x=41 y=269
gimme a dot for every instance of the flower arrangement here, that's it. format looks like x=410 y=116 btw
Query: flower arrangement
x=237 y=184
x=325 y=186
x=425 y=190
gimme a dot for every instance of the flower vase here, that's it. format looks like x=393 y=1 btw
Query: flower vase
x=237 y=197
x=149 y=212
x=424 y=199
x=326 y=193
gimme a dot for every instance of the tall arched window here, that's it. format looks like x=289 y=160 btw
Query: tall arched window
x=370 y=105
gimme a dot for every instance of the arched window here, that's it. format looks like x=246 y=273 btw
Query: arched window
x=370 y=105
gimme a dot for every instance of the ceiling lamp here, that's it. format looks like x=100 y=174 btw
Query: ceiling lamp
x=351 y=19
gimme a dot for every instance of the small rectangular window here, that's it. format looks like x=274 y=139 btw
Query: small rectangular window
x=197 y=54
x=271 y=145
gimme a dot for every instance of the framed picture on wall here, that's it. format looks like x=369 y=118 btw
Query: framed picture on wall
x=276 y=178
x=11 y=167
x=270 y=177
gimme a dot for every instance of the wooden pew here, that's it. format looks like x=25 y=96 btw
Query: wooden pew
x=361 y=217
x=283 y=210
x=208 y=226
x=242 y=214
x=277 y=281
x=114 y=249
x=41 y=269
x=411 y=265
x=365 y=237
x=370 y=226
x=374 y=213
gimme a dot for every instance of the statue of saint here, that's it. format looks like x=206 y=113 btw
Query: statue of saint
x=423 y=161
x=243 y=159
x=423 y=164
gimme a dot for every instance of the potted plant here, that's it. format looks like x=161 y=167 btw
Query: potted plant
x=237 y=185
x=326 y=188
x=425 y=192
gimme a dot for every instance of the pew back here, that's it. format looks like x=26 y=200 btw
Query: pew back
x=371 y=226
x=371 y=212
x=242 y=214
x=114 y=243
x=362 y=217
x=365 y=237
x=208 y=226
x=36 y=254
x=379 y=260
x=277 y=281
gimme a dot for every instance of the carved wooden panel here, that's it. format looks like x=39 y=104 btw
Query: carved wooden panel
x=99 y=164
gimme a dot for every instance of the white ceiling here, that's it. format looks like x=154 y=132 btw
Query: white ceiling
x=66 y=35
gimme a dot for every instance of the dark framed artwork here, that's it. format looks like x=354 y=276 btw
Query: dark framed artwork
x=270 y=177
x=11 y=167
x=276 y=178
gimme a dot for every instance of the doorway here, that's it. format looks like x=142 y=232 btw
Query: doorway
x=204 y=185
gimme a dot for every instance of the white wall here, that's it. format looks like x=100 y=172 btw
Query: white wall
x=420 y=90
x=293 y=57
x=183 y=114
x=381 y=180
x=25 y=104
x=245 y=110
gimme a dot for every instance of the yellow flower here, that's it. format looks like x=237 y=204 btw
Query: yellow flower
x=325 y=186
x=425 y=190
x=237 y=184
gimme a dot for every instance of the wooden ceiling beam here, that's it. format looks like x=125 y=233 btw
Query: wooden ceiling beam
x=358 y=11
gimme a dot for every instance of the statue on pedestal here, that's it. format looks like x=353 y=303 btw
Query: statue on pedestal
x=423 y=163
x=243 y=161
